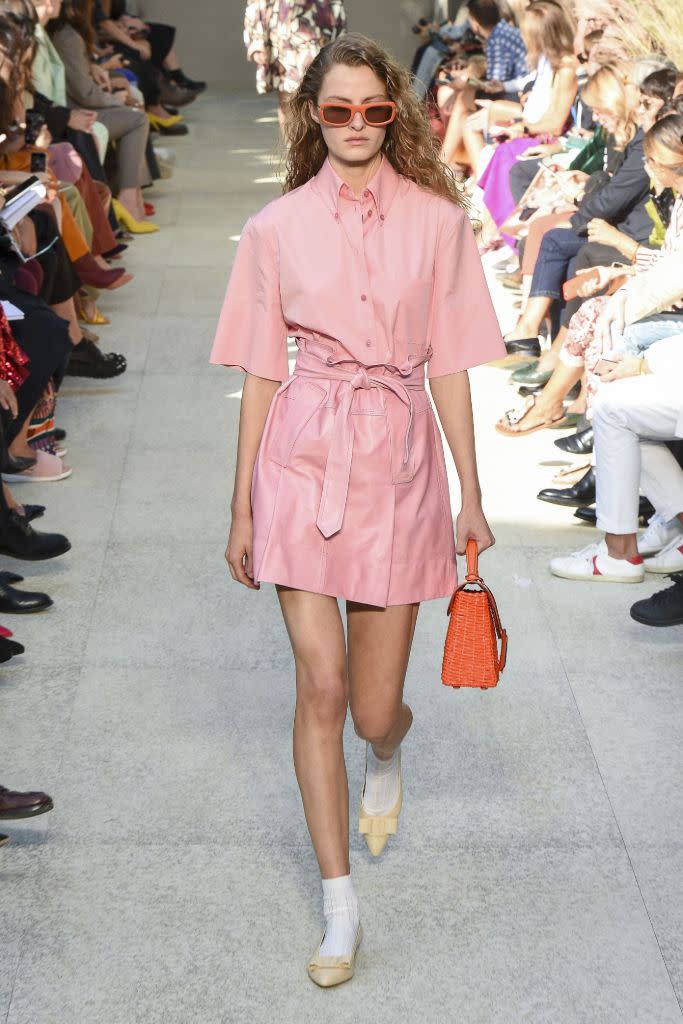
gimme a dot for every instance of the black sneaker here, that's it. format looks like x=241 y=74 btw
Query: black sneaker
x=665 y=608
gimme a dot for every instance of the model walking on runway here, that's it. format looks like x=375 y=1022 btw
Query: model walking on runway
x=370 y=262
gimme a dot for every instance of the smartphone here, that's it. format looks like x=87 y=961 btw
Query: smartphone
x=604 y=366
x=38 y=163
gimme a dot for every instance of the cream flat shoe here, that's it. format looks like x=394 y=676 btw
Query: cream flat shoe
x=378 y=827
x=327 y=971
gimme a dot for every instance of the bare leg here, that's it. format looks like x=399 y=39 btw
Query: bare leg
x=67 y=311
x=474 y=144
x=531 y=318
x=551 y=357
x=171 y=62
x=462 y=108
x=379 y=642
x=132 y=199
x=316 y=633
x=20 y=445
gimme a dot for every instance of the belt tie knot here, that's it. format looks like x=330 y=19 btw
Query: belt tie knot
x=360 y=379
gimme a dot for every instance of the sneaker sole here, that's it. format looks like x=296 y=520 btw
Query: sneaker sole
x=597 y=579
x=664 y=571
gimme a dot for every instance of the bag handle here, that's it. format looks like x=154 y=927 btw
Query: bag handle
x=472 y=576
x=472 y=555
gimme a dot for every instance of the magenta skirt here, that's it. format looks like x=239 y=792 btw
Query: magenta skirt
x=495 y=181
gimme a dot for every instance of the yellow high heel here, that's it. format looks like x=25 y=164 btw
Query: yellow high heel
x=137 y=227
x=164 y=122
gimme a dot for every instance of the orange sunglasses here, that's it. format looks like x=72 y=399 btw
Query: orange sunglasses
x=375 y=115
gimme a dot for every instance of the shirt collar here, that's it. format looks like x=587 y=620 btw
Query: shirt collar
x=382 y=186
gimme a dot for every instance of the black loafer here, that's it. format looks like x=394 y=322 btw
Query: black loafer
x=20 y=540
x=589 y=515
x=22 y=602
x=11 y=577
x=524 y=346
x=577 y=444
x=582 y=493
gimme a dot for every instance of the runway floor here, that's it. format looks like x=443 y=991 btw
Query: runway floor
x=536 y=878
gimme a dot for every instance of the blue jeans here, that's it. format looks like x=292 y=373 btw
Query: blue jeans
x=430 y=61
x=558 y=249
x=638 y=337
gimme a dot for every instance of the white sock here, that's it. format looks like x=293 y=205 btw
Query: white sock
x=340 y=907
x=381 y=782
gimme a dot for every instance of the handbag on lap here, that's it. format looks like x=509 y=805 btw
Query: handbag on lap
x=471 y=656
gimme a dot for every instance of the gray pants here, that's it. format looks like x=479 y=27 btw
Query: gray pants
x=130 y=130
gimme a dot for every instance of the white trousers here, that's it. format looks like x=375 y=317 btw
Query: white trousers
x=631 y=420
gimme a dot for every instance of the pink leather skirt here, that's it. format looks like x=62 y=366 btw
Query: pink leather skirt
x=349 y=493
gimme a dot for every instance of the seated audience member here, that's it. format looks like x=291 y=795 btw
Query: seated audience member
x=548 y=33
x=72 y=36
x=582 y=347
x=610 y=221
x=633 y=416
x=506 y=73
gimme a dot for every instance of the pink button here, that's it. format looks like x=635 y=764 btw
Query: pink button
x=368 y=344
x=363 y=298
x=381 y=216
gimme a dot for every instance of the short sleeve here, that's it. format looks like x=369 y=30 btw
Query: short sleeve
x=463 y=326
x=252 y=332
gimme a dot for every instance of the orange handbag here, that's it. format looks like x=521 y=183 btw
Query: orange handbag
x=470 y=656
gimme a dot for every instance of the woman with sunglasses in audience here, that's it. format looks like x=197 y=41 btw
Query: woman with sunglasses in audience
x=370 y=261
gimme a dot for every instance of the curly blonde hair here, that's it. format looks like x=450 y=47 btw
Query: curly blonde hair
x=409 y=145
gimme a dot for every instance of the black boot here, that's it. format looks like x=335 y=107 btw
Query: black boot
x=582 y=493
x=665 y=608
x=20 y=540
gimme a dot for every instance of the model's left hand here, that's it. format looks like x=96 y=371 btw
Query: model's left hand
x=472 y=523
x=627 y=366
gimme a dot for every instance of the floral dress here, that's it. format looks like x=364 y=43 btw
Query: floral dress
x=291 y=34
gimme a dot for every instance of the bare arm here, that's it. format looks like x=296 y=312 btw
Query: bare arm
x=257 y=396
x=562 y=96
x=453 y=401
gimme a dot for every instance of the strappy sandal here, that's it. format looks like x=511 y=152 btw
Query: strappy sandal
x=86 y=360
x=509 y=423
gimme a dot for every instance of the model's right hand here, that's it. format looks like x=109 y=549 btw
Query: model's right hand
x=239 y=551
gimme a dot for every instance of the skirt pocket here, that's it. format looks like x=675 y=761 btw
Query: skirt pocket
x=293 y=411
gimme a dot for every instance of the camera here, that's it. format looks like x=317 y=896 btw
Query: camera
x=34 y=122
x=419 y=26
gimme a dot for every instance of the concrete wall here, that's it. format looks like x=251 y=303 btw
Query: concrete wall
x=210 y=32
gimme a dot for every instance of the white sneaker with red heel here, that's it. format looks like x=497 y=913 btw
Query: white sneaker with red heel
x=594 y=564
x=669 y=559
